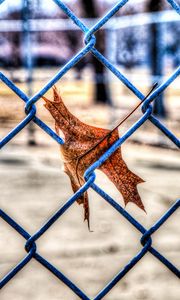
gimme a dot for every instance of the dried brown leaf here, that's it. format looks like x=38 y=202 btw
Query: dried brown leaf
x=84 y=144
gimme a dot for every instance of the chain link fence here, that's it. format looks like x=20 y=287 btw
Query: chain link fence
x=90 y=177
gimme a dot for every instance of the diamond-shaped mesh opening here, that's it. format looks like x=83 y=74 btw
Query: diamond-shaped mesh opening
x=78 y=99
x=11 y=112
x=33 y=179
x=37 y=282
x=166 y=239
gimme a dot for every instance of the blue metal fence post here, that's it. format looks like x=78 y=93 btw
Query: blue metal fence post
x=27 y=56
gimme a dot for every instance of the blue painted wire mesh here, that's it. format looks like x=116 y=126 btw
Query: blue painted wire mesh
x=30 y=109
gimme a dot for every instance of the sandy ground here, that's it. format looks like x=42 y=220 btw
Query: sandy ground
x=33 y=186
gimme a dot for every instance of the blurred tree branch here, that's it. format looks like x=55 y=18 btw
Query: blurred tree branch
x=101 y=92
x=156 y=54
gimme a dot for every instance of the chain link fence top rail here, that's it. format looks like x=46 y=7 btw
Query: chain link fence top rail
x=30 y=110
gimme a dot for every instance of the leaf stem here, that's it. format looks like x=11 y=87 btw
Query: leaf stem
x=119 y=124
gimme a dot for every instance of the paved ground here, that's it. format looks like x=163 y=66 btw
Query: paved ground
x=33 y=187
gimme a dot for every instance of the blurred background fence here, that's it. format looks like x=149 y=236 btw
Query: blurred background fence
x=142 y=39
